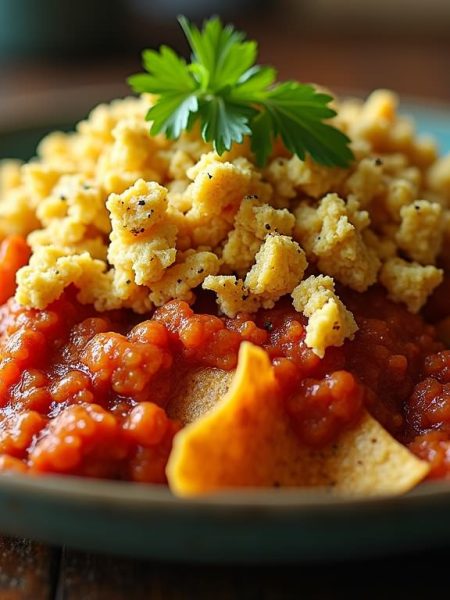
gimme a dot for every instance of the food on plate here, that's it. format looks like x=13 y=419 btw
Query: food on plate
x=228 y=282
x=249 y=441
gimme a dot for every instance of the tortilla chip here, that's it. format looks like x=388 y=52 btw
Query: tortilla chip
x=247 y=441
x=197 y=392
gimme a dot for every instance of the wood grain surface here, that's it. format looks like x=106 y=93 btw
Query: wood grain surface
x=28 y=570
x=31 y=571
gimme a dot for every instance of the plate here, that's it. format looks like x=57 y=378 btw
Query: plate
x=248 y=526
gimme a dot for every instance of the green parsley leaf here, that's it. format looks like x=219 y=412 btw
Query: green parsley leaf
x=221 y=51
x=262 y=136
x=224 y=123
x=297 y=112
x=232 y=97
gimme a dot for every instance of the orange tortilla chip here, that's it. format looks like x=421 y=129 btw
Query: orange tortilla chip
x=247 y=440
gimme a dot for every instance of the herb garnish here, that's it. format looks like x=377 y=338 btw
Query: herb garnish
x=232 y=97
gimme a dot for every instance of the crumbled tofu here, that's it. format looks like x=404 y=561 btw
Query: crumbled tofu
x=421 y=230
x=279 y=266
x=49 y=272
x=335 y=244
x=17 y=216
x=10 y=176
x=77 y=198
x=98 y=191
x=70 y=237
x=180 y=279
x=134 y=155
x=409 y=282
x=218 y=187
x=111 y=290
x=329 y=322
x=366 y=182
x=74 y=218
x=252 y=223
x=438 y=177
x=214 y=197
x=142 y=240
x=232 y=295
x=400 y=193
x=383 y=246
x=39 y=181
x=179 y=165
x=292 y=176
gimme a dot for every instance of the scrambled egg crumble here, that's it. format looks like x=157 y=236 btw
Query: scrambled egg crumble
x=133 y=220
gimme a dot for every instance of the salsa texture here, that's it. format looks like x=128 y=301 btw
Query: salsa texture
x=88 y=393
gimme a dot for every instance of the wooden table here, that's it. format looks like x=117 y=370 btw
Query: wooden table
x=31 y=571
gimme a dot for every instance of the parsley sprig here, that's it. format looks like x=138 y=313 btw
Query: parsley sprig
x=232 y=97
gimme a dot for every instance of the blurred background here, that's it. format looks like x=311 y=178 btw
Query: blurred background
x=60 y=57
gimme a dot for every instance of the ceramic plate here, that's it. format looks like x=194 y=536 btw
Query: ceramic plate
x=252 y=526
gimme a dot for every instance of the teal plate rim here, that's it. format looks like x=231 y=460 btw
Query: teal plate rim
x=237 y=526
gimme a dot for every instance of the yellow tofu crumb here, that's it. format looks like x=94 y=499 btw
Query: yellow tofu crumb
x=329 y=322
x=438 y=177
x=232 y=295
x=49 y=272
x=110 y=291
x=409 y=282
x=331 y=239
x=291 y=176
x=74 y=218
x=39 y=180
x=366 y=182
x=133 y=155
x=279 y=266
x=142 y=240
x=218 y=187
x=10 y=176
x=421 y=231
x=252 y=223
x=17 y=216
x=180 y=279
x=172 y=208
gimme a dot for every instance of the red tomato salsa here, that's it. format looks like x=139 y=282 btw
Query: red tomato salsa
x=88 y=394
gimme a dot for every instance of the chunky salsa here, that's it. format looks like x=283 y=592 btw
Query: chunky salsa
x=89 y=393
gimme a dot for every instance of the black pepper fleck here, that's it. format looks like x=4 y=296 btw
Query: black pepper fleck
x=268 y=326
x=200 y=271
x=63 y=198
x=267 y=226
x=141 y=202
x=209 y=175
x=128 y=281
x=378 y=162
